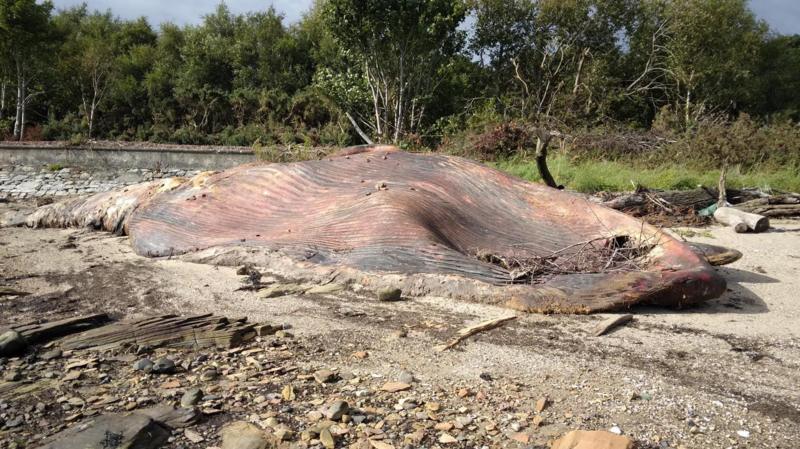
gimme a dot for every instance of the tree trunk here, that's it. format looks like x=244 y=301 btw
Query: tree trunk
x=741 y=221
x=91 y=118
x=22 y=121
x=20 y=107
x=3 y=99
x=542 y=140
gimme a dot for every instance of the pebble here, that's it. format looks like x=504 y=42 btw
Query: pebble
x=143 y=365
x=163 y=365
x=191 y=397
x=324 y=376
x=336 y=410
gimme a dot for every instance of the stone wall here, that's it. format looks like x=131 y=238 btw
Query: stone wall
x=124 y=155
x=25 y=181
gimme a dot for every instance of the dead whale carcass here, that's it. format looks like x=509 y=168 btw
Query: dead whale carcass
x=436 y=224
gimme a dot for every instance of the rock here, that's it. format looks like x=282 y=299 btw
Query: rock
x=209 y=375
x=134 y=431
x=12 y=376
x=143 y=365
x=390 y=294
x=541 y=404
x=175 y=418
x=243 y=435
x=406 y=377
x=324 y=376
x=446 y=438
x=326 y=439
x=521 y=437
x=11 y=344
x=288 y=393
x=378 y=444
x=191 y=397
x=394 y=387
x=579 y=439
x=163 y=366
x=51 y=355
x=14 y=422
x=193 y=436
x=336 y=410
x=277 y=290
x=325 y=289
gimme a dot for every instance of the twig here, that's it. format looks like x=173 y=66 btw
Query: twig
x=609 y=324
x=467 y=332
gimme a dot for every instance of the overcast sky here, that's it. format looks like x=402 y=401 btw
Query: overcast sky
x=782 y=15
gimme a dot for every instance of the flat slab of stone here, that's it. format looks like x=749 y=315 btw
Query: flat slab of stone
x=134 y=431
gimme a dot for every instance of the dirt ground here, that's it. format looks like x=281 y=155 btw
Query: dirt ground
x=724 y=375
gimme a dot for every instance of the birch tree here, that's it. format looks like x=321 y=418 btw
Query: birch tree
x=400 y=45
x=24 y=37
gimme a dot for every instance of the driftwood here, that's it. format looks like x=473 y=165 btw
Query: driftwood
x=611 y=323
x=696 y=199
x=751 y=201
x=741 y=221
x=786 y=205
x=467 y=332
x=202 y=331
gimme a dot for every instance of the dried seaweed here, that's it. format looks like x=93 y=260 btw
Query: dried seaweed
x=600 y=255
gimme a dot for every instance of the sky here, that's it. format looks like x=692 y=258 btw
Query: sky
x=782 y=15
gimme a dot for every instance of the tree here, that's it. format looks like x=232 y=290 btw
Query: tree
x=712 y=49
x=25 y=36
x=400 y=45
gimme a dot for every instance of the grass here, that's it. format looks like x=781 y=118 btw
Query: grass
x=590 y=177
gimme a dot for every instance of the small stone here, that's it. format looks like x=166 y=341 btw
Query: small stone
x=163 y=365
x=521 y=437
x=191 y=397
x=12 y=376
x=14 y=422
x=326 y=439
x=209 y=375
x=51 y=355
x=541 y=404
x=243 y=435
x=336 y=410
x=324 y=376
x=12 y=343
x=360 y=355
x=193 y=436
x=743 y=433
x=446 y=438
x=406 y=377
x=390 y=294
x=143 y=365
x=394 y=387
x=615 y=430
x=288 y=393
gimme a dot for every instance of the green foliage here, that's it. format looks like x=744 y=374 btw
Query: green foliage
x=54 y=167
x=590 y=177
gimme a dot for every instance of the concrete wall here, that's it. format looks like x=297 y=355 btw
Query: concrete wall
x=161 y=158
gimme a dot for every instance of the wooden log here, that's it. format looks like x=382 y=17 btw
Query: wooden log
x=741 y=221
x=786 y=205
